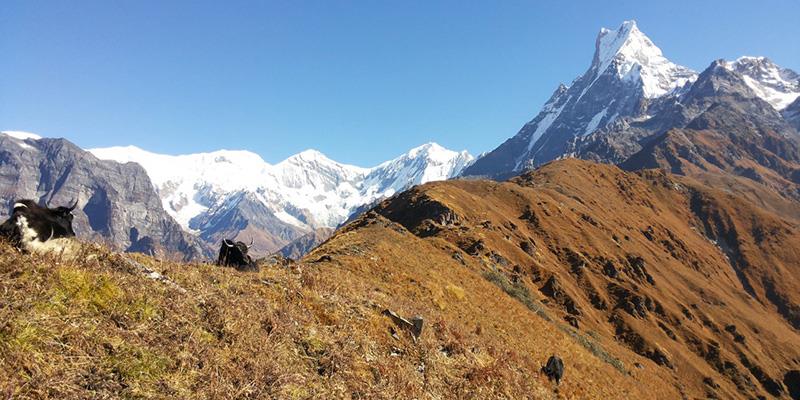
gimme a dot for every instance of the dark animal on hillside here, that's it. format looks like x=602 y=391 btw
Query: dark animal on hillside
x=34 y=228
x=234 y=254
x=554 y=369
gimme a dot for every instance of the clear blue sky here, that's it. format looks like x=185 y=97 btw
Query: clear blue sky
x=359 y=81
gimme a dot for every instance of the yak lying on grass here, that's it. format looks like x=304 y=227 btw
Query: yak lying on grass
x=234 y=254
x=38 y=229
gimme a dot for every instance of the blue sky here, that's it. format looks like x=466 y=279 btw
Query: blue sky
x=360 y=81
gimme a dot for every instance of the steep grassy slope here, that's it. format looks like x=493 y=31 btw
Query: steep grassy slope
x=700 y=281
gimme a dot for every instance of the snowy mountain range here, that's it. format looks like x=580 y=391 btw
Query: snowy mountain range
x=237 y=194
x=628 y=80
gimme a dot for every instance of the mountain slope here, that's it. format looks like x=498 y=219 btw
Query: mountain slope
x=304 y=244
x=310 y=331
x=792 y=114
x=690 y=277
x=205 y=192
x=728 y=129
x=116 y=203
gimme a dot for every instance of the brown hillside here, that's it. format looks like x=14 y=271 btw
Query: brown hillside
x=616 y=272
x=701 y=282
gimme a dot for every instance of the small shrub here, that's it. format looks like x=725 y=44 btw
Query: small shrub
x=518 y=291
x=136 y=366
x=92 y=291
x=595 y=348
x=456 y=291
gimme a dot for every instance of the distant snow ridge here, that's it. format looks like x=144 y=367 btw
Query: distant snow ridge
x=426 y=163
x=22 y=137
x=307 y=190
x=775 y=85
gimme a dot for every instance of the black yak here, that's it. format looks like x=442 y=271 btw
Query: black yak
x=554 y=369
x=234 y=254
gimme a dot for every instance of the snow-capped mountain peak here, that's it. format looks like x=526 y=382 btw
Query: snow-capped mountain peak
x=425 y=148
x=626 y=40
x=315 y=159
x=775 y=85
x=426 y=163
x=434 y=152
x=634 y=56
x=309 y=155
x=232 y=169
x=628 y=72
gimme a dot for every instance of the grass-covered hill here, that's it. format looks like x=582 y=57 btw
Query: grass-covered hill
x=503 y=274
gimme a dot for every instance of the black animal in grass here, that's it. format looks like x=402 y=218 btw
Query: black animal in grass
x=39 y=229
x=234 y=254
x=554 y=369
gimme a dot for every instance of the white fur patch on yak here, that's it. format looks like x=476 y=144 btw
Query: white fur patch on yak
x=34 y=244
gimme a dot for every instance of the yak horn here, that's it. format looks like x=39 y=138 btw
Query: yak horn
x=225 y=242
x=75 y=204
x=251 y=243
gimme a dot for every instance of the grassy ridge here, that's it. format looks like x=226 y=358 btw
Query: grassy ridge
x=100 y=328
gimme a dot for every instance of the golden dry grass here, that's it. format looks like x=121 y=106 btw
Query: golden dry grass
x=98 y=328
